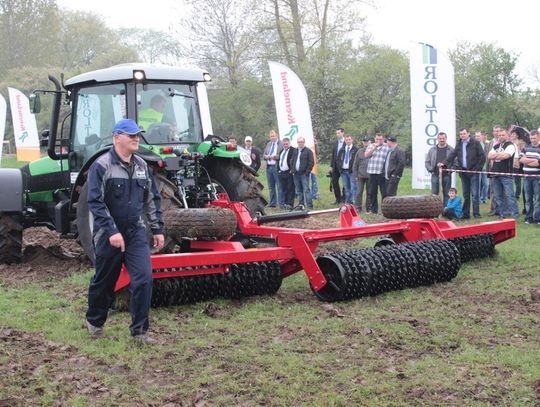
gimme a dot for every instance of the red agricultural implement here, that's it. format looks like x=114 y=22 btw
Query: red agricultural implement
x=410 y=253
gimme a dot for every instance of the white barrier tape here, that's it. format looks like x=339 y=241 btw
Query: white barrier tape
x=507 y=174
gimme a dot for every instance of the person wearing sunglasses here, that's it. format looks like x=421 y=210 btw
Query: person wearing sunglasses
x=122 y=195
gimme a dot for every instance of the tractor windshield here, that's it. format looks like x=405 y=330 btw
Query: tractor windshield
x=96 y=110
x=169 y=113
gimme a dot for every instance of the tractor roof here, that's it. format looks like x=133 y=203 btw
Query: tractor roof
x=125 y=72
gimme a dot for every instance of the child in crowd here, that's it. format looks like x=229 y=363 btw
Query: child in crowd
x=453 y=209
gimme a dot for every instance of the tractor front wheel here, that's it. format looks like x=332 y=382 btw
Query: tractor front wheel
x=11 y=229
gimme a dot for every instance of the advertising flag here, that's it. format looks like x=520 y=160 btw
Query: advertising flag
x=24 y=127
x=433 y=106
x=3 y=109
x=292 y=105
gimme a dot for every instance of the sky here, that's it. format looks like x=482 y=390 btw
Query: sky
x=512 y=25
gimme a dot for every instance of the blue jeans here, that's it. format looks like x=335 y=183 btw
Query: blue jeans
x=314 y=186
x=301 y=184
x=484 y=185
x=531 y=190
x=273 y=184
x=470 y=183
x=349 y=185
x=503 y=194
x=447 y=183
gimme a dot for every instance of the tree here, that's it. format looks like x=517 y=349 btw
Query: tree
x=84 y=38
x=222 y=37
x=152 y=46
x=28 y=32
x=376 y=92
x=487 y=88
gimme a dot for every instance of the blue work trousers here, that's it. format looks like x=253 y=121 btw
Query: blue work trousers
x=446 y=184
x=108 y=265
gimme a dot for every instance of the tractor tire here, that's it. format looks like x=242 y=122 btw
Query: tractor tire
x=85 y=224
x=412 y=206
x=200 y=223
x=11 y=230
x=240 y=184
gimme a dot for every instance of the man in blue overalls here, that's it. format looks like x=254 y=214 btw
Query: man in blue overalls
x=121 y=194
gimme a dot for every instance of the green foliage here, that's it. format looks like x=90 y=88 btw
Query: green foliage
x=487 y=87
x=247 y=110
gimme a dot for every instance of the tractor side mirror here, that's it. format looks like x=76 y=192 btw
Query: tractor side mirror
x=44 y=142
x=35 y=103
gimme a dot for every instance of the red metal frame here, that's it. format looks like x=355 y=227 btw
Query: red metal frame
x=295 y=247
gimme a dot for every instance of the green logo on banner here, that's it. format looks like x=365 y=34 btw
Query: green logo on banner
x=292 y=132
x=23 y=136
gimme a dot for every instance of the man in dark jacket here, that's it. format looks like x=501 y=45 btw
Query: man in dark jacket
x=302 y=164
x=471 y=157
x=286 y=181
x=345 y=163
x=360 y=173
x=393 y=166
x=254 y=152
x=121 y=195
x=334 y=164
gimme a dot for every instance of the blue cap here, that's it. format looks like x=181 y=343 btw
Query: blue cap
x=127 y=126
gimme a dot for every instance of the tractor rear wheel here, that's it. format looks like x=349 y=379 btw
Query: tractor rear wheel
x=237 y=181
x=11 y=229
x=85 y=224
x=411 y=206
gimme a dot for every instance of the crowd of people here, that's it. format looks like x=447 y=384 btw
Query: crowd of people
x=500 y=170
x=366 y=170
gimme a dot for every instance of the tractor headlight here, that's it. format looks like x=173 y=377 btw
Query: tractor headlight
x=138 y=75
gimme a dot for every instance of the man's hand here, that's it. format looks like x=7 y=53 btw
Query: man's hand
x=117 y=241
x=159 y=241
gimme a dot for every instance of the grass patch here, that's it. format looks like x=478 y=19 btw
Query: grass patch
x=472 y=341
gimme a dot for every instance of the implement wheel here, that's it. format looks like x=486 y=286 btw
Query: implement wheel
x=11 y=230
x=412 y=206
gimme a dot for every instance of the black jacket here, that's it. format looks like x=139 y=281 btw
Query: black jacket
x=255 y=158
x=334 y=162
x=341 y=157
x=475 y=155
x=396 y=162
x=289 y=158
x=307 y=161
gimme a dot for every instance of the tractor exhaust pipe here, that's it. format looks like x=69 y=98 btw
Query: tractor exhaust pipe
x=55 y=117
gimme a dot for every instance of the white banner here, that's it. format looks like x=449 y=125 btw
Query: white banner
x=292 y=106
x=24 y=127
x=3 y=109
x=433 y=106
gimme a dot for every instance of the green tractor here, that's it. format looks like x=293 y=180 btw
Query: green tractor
x=191 y=166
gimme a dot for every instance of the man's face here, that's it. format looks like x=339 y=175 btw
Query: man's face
x=379 y=140
x=496 y=132
x=503 y=136
x=464 y=134
x=248 y=143
x=365 y=143
x=301 y=142
x=348 y=141
x=441 y=139
x=479 y=136
x=339 y=134
x=232 y=141
x=273 y=136
x=126 y=143
x=535 y=138
x=286 y=144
